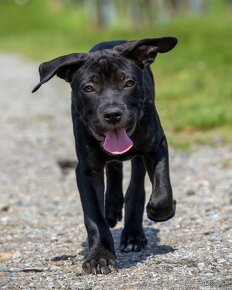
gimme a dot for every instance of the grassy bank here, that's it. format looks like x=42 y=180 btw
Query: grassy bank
x=194 y=87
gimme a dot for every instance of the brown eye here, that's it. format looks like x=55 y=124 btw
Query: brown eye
x=88 y=89
x=129 y=84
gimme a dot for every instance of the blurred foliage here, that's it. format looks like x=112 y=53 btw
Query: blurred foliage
x=194 y=87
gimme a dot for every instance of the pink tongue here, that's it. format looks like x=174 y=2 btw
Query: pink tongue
x=117 y=141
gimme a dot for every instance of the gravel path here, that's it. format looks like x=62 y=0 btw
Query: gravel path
x=42 y=236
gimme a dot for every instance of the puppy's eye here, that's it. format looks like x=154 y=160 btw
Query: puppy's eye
x=88 y=89
x=129 y=84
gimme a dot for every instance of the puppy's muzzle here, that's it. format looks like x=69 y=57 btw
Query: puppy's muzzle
x=112 y=115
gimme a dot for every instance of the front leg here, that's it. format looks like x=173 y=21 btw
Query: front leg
x=101 y=246
x=133 y=237
x=114 y=196
x=161 y=206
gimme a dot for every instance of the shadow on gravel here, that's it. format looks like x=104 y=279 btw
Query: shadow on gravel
x=66 y=165
x=128 y=260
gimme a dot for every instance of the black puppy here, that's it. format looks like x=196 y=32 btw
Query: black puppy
x=115 y=119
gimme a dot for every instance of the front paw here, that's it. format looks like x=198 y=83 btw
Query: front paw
x=161 y=211
x=100 y=261
x=132 y=240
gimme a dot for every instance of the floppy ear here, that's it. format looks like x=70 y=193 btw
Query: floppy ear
x=144 y=51
x=63 y=66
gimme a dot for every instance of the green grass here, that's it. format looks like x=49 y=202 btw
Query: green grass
x=193 y=82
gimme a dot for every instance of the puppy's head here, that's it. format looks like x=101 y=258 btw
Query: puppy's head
x=108 y=87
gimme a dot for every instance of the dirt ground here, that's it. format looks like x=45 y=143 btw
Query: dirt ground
x=42 y=235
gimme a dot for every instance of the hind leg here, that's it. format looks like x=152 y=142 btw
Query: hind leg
x=132 y=237
x=114 y=194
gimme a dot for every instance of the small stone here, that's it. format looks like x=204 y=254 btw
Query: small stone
x=5 y=208
x=201 y=266
x=208 y=274
x=190 y=192
x=221 y=261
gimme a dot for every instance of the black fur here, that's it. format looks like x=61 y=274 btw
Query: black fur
x=113 y=87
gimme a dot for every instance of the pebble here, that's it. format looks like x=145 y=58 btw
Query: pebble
x=201 y=266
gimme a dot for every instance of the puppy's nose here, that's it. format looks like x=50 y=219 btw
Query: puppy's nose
x=112 y=115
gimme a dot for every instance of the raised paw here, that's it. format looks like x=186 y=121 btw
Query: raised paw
x=132 y=241
x=160 y=212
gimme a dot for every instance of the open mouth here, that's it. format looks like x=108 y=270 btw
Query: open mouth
x=116 y=141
